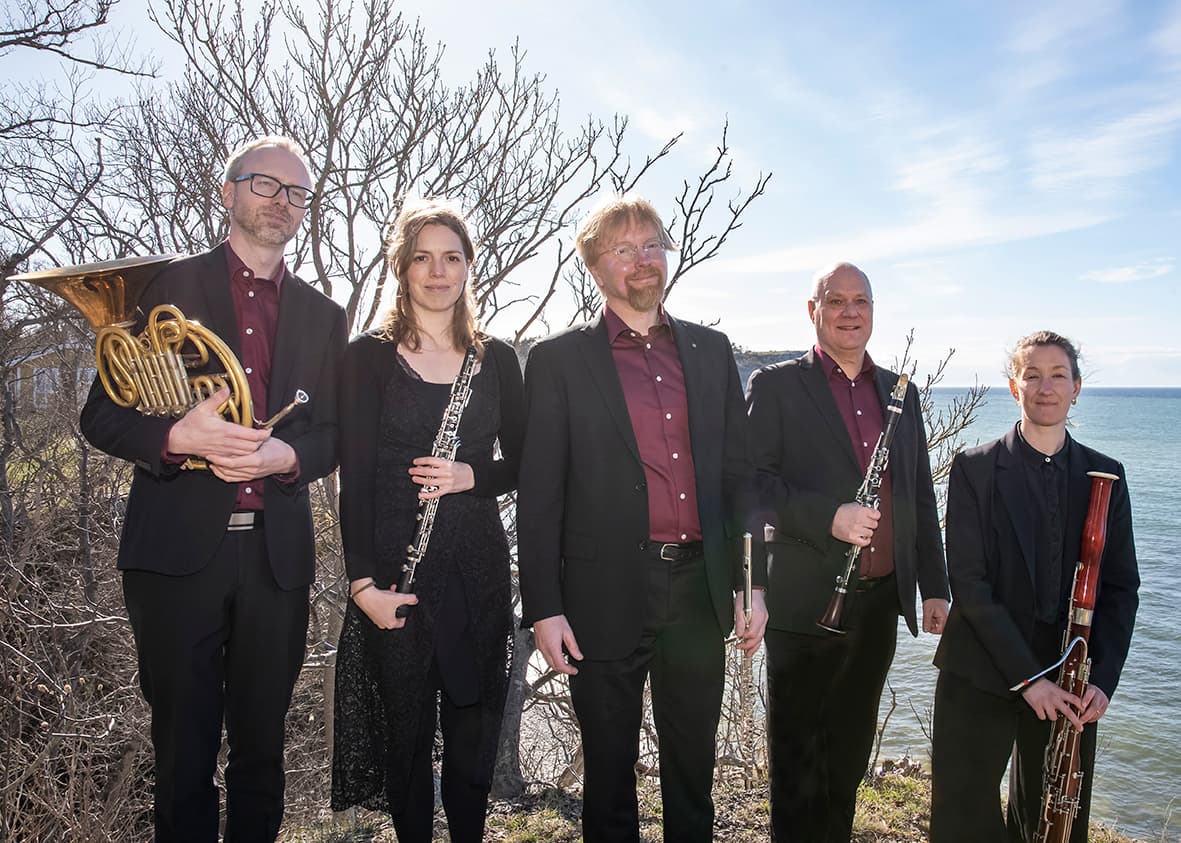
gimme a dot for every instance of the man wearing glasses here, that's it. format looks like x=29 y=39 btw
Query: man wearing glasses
x=630 y=502
x=216 y=564
x=814 y=424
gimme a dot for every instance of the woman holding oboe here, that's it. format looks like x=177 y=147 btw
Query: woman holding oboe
x=404 y=391
x=1016 y=513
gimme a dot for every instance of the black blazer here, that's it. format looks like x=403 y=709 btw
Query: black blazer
x=805 y=468
x=175 y=519
x=582 y=502
x=990 y=557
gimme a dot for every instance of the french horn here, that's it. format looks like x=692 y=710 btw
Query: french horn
x=149 y=372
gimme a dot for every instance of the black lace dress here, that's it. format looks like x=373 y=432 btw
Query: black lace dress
x=463 y=621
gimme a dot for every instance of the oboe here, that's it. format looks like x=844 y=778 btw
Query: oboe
x=867 y=496
x=445 y=447
x=1062 y=774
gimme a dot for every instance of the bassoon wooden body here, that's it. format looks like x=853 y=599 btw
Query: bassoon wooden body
x=1062 y=774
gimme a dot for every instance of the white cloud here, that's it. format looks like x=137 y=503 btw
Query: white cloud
x=940 y=232
x=1096 y=162
x=1167 y=38
x=1126 y=274
x=1056 y=25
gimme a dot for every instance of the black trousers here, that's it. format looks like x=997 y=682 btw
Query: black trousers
x=225 y=641
x=822 y=710
x=464 y=787
x=975 y=733
x=681 y=650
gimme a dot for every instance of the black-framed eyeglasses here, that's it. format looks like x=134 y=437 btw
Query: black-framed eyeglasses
x=268 y=187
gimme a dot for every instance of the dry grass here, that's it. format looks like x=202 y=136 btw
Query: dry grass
x=893 y=808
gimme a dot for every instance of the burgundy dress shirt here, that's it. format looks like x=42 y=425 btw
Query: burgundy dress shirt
x=256 y=306
x=653 y=382
x=861 y=409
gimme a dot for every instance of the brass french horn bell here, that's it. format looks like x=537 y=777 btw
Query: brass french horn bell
x=149 y=372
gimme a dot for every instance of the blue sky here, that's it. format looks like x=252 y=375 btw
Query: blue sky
x=995 y=167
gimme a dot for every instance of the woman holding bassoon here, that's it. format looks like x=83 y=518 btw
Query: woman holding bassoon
x=1022 y=515
x=427 y=630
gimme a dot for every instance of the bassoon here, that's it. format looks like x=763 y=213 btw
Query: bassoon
x=867 y=495
x=1062 y=776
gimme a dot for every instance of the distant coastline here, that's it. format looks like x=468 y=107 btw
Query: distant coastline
x=1117 y=391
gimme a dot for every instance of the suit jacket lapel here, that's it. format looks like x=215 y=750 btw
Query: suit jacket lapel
x=1078 y=497
x=696 y=380
x=294 y=314
x=596 y=351
x=816 y=385
x=219 y=303
x=1010 y=483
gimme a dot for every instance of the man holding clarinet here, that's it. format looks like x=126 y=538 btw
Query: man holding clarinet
x=815 y=423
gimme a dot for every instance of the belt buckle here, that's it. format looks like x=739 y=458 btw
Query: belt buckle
x=666 y=547
x=241 y=521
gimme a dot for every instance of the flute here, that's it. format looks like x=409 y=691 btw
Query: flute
x=747 y=587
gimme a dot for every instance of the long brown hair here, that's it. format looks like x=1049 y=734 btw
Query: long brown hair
x=400 y=324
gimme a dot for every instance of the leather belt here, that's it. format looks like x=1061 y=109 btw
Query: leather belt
x=674 y=551
x=870 y=583
x=248 y=520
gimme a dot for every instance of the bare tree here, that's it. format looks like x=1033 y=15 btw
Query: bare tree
x=50 y=149
x=945 y=425
x=360 y=88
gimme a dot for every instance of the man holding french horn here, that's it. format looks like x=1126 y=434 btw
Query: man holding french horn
x=217 y=558
x=818 y=429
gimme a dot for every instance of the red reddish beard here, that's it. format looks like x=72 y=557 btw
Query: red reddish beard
x=646 y=297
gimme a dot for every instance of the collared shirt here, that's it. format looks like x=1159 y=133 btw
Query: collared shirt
x=861 y=409
x=653 y=382
x=256 y=306
x=1045 y=479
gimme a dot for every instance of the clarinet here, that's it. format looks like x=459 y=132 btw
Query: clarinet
x=867 y=496
x=1062 y=775
x=445 y=447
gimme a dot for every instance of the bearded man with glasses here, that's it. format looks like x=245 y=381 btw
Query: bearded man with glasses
x=217 y=564
x=632 y=492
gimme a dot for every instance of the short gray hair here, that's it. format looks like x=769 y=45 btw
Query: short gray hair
x=233 y=166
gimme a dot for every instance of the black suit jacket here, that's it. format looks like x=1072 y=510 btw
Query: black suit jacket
x=805 y=468
x=582 y=501
x=990 y=557
x=175 y=519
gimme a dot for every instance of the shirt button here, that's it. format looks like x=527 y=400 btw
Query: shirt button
x=864 y=444
x=1047 y=459
x=858 y=412
x=668 y=415
x=251 y=294
x=249 y=331
x=682 y=495
x=872 y=548
x=684 y=536
x=648 y=345
x=249 y=491
x=676 y=456
x=249 y=370
x=659 y=378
